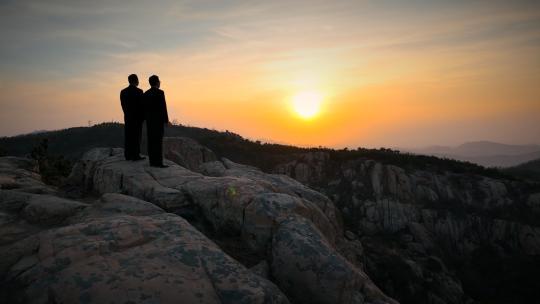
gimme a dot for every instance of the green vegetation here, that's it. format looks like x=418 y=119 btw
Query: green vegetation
x=53 y=169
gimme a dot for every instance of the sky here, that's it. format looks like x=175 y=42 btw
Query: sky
x=385 y=73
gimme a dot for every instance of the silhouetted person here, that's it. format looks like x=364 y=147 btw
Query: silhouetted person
x=132 y=105
x=156 y=118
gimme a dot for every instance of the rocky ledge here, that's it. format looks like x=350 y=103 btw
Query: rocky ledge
x=138 y=234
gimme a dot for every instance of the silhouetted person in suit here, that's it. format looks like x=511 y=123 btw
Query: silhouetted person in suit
x=156 y=118
x=132 y=105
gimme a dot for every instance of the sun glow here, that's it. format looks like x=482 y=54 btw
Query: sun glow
x=307 y=104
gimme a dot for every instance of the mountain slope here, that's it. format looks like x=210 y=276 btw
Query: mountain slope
x=444 y=235
x=481 y=148
x=485 y=153
x=529 y=170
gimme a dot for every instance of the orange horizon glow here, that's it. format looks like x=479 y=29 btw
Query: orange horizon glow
x=321 y=74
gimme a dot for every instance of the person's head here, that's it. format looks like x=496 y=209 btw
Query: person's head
x=154 y=81
x=133 y=79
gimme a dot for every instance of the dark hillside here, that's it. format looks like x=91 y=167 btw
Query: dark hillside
x=528 y=171
x=73 y=142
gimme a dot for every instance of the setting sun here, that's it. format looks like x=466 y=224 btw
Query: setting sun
x=307 y=104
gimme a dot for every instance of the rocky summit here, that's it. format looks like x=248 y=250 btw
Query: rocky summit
x=319 y=226
x=209 y=231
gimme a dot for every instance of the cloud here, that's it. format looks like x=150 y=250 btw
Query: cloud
x=241 y=53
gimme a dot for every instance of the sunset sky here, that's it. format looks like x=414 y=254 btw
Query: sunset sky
x=383 y=73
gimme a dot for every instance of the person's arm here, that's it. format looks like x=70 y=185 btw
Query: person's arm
x=123 y=102
x=165 y=114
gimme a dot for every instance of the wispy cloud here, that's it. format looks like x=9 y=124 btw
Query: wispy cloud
x=225 y=52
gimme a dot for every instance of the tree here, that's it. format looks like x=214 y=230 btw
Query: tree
x=53 y=169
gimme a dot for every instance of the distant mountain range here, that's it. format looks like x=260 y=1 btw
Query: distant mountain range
x=485 y=153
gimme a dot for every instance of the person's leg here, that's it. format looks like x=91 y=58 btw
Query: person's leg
x=159 y=146
x=127 y=139
x=151 y=142
x=137 y=139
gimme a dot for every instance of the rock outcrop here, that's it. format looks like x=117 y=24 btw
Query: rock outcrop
x=186 y=152
x=434 y=227
x=22 y=174
x=116 y=249
x=301 y=256
x=133 y=244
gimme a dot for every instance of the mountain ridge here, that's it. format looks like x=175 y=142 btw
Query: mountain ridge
x=72 y=143
x=485 y=153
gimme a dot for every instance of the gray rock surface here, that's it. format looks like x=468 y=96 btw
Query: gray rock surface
x=125 y=246
x=22 y=174
x=301 y=256
x=117 y=249
x=223 y=199
x=187 y=152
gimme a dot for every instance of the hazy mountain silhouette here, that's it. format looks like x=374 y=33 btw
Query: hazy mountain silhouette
x=485 y=153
